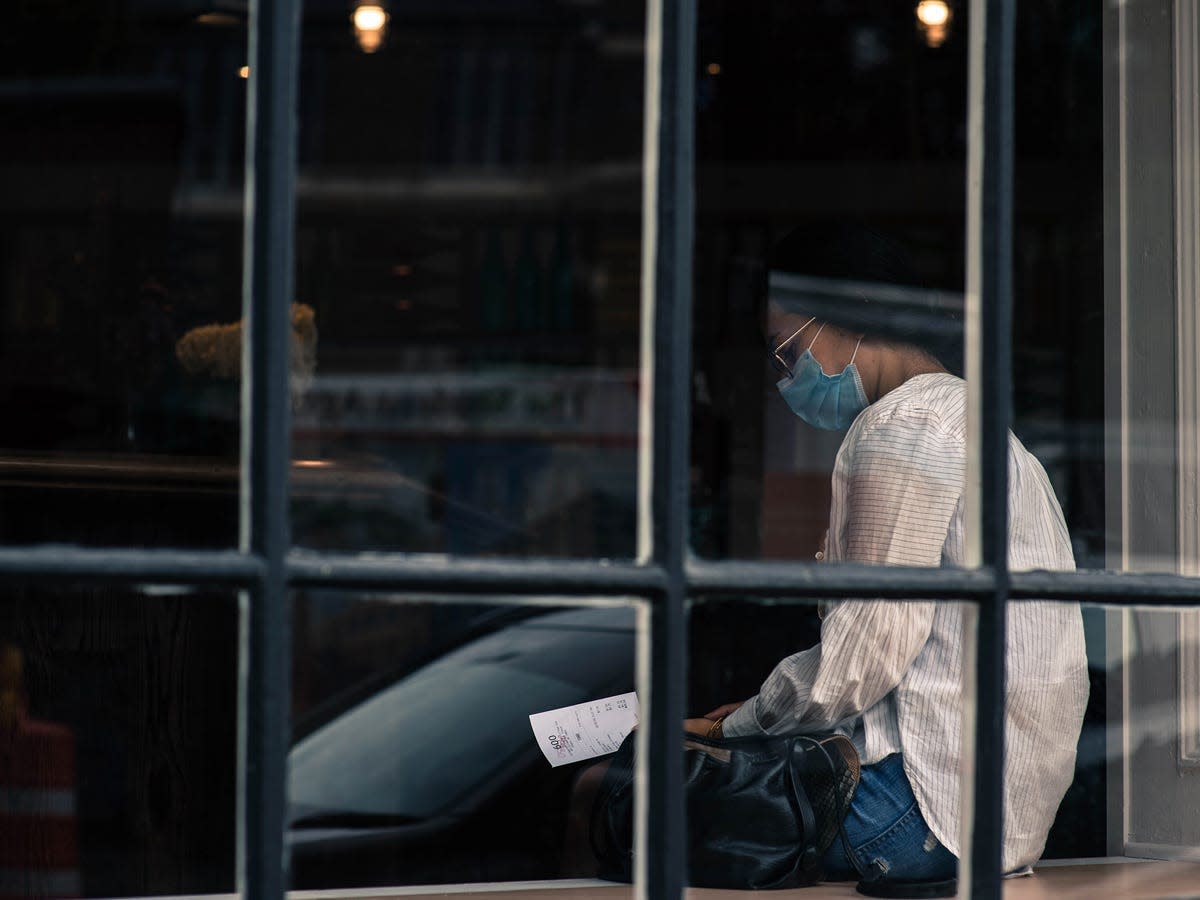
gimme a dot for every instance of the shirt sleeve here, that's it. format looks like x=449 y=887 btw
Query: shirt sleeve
x=896 y=486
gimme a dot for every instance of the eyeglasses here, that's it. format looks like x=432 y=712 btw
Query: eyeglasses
x=782 y=365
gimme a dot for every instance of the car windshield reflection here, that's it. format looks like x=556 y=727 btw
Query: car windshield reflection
x=429 y=741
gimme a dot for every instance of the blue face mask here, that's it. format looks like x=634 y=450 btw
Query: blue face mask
x=825 y=401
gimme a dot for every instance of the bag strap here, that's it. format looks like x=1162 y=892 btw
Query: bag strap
x=808 y=861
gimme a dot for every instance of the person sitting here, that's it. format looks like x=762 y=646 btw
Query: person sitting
x=889 y=673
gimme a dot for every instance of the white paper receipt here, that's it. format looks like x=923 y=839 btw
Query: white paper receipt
x=586 y=730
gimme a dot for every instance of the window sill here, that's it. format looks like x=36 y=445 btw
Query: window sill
x=1114 y=878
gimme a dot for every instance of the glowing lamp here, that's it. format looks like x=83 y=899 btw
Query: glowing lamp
x=933 y=18
x=370 y=25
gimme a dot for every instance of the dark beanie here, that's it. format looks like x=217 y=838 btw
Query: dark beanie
x=864 y=280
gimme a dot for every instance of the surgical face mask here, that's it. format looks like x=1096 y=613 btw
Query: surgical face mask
x=825 y=401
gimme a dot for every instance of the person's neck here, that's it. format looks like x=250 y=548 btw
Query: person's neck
x=896 y=366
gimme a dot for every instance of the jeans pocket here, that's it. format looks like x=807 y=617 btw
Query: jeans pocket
x=907 y=850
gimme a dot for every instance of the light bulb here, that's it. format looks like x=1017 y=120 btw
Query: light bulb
x=369 y=17
x=933 y=13
x=370 y=25
x=933 y=18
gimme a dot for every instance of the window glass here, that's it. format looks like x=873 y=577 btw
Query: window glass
x=120 y=272
x=886 y=675
x=842 y=246
x=1139 y=750
x=415 y=761
x=1150 y=328
x=831 y=154
x=1110 y=402
x=831 y=148
x=469 y=248
x=118 y=746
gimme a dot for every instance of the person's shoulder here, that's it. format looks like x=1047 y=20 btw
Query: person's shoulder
x=918 y=426
x=934 y=400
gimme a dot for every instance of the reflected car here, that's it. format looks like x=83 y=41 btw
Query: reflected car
x=436 y=777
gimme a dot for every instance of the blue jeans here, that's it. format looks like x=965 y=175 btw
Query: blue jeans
x=885 y=833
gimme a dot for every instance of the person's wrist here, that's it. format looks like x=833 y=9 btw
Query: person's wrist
x=715 y=730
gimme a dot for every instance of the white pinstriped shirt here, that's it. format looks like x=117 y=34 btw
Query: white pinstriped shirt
x=888 y=672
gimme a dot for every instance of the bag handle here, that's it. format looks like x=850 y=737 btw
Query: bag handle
x=807 y=861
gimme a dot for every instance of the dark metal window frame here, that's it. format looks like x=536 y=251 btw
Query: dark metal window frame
x=266 y=568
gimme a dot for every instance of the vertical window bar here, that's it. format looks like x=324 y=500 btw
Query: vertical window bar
x=666 y=376
x=266 y=297
x=989 y=293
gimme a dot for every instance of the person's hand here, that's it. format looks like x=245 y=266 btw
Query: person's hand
x=704 y=725
x=722 y=711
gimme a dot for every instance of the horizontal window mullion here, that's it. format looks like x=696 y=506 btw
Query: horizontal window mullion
x=401 y=573
x=772 y=579
x=52 y=563
x=1111 y=588
x=56 y=563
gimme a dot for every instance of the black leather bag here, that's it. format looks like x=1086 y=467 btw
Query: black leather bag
x=761 y=812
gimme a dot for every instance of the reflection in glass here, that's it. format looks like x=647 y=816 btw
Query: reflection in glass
x=121 y=218
x=118 y=729
x=469 y=239
x=419 y=766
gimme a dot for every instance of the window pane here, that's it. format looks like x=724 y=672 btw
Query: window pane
x=120 y=273
x=118 y=774
x=415 y=761
x=845 y=128
x=887 y=676
x=1150 y=304
x=1059 y=332
x=1137 y=781
x=831 y=147
x=469 y=254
